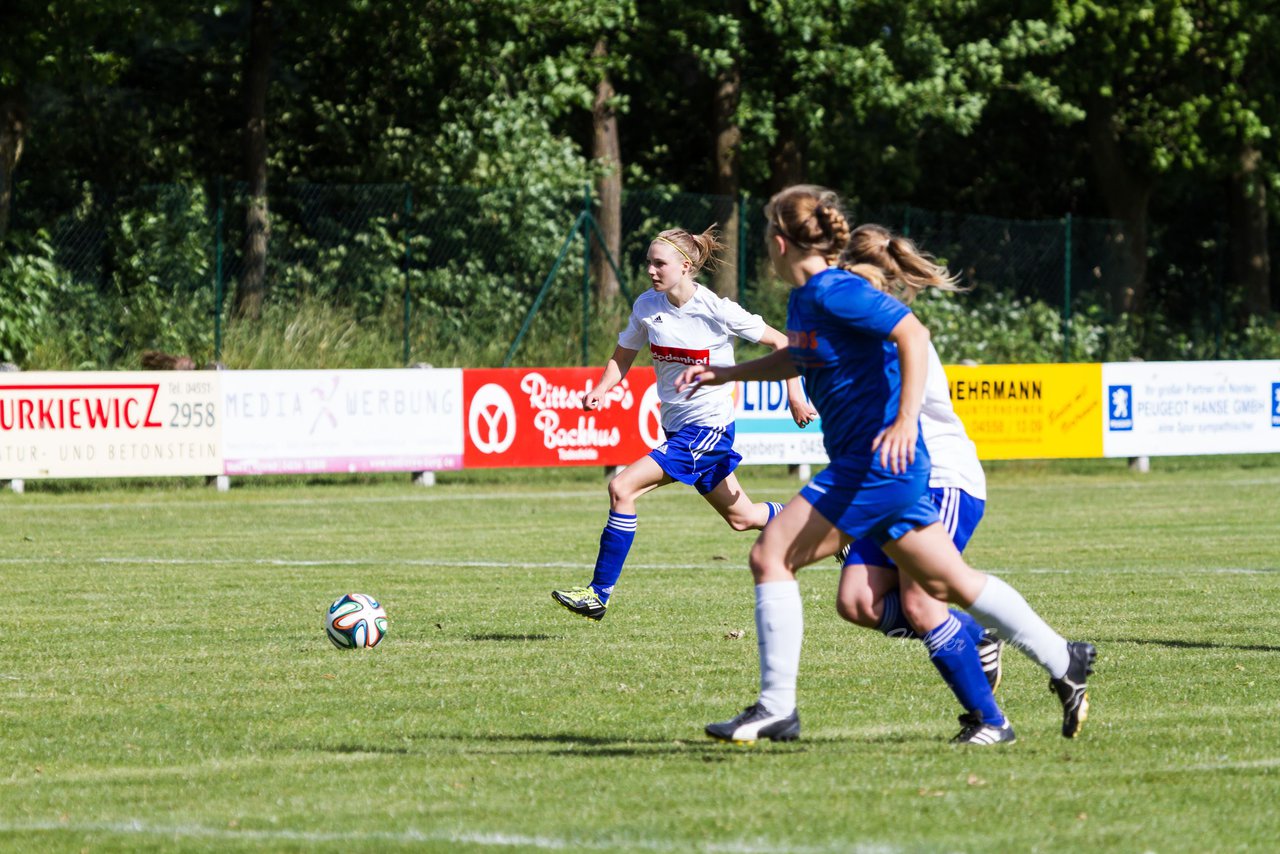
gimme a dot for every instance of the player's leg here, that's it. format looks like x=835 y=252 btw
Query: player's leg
x=869 y=593
x=959 y=512
x=929 y=556
x=796 y=537
x=864 y=588
x=644 y=475
x=733 y=504
x=954 y=654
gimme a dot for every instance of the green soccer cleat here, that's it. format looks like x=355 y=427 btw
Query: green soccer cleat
x=582 y=601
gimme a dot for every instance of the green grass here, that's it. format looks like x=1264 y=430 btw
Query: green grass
x=167 y=686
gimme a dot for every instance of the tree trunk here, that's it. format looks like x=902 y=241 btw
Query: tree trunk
x=607 y=152
x=785 y=159
x=253 y=281
x=1250 y=257
x=1127 y=195
x=728 y=138
x=13 y=132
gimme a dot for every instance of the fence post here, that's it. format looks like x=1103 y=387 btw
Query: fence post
x=408 y=257
x=1066 y=291
x=546 y=284
x=218 y=287
x=587 y=221
x=742 y=249
x=906 y=221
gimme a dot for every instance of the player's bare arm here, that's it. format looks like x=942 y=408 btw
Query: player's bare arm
x=802 y=411
x=775 y=366
x=619 y=363
x=897 y=442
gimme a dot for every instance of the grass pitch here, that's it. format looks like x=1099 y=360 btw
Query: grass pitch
x=166 y=683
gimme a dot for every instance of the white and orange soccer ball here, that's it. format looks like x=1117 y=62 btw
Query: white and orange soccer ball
x=356 y=621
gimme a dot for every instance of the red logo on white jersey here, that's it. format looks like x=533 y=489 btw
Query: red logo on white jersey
x=680 y=355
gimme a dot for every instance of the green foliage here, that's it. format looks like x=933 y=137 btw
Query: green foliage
x=96 y=330
x=976 y=106
x=28 y=278
x=126 y=278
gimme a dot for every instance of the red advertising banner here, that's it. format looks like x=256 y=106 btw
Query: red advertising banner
x=534 y=417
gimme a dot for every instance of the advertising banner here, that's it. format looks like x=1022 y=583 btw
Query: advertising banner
x=296 y=422
x=1174 y=408
x=766 y=433
x=1029 y=411
x=110 y=424
x=534 y=417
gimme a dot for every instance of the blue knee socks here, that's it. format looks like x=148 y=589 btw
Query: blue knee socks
x=615 y=543
x=956 y=658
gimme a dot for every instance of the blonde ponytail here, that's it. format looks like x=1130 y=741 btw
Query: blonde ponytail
x=894 y=264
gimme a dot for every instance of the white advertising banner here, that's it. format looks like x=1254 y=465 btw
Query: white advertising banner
x=109 y=424
x=298 y=422
x=1175 y=408
x=765 y=431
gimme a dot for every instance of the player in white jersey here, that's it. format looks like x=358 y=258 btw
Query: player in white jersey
x=682 y=323
x=872 y=593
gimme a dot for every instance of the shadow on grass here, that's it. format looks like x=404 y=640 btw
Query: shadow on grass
x=1185 y=644
x=574 y=745
x=498 y=636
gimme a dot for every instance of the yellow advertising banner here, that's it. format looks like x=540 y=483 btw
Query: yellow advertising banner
x=1030 y=411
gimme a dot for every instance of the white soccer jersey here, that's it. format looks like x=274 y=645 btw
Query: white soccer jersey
x=954 y=456
x=696 y=333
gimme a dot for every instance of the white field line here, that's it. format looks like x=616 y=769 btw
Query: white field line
x=493 y=839
x=507 y=840
x=826 y=565
x=37 y=504
x=18 y=504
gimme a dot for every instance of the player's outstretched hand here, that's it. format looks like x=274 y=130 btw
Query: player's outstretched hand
x=695 y=377
x=591 y=400
x=897 y=446
x=803 y=413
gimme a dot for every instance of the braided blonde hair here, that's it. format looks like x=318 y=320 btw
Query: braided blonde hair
x=811 y=217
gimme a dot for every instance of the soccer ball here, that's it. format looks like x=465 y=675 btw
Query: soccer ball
x=356 y=621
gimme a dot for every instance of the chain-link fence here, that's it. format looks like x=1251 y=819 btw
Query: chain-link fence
x=472 y=276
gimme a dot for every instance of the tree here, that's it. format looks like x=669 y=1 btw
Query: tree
x=251 y=289
x=606 y=154
x=1240 y=55
x=44 y=49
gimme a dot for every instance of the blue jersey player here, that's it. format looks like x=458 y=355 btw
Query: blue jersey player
x=864 y=358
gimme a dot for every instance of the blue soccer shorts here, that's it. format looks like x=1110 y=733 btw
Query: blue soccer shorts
x=698 y=456
x=958 y=511
x=863 y=499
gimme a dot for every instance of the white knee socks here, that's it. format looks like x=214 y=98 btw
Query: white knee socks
x=1002 y=609
x=779 y=630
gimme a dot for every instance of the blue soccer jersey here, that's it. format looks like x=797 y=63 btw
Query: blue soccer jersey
x=837 y=330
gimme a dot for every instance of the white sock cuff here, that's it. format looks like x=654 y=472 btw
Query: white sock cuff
x=775 y=591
